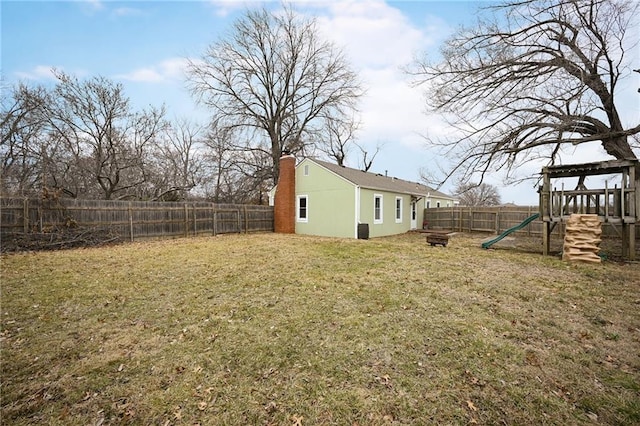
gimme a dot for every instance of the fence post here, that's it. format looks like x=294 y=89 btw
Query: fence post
x=25 y=215
x=498 y=221
x=215 y=222
x=130 y=222
x=186 y=220
x=453 y=219
x=195 y=220
x=246 y=220
x=213 y=218
x=239 y=222
x=40 y=219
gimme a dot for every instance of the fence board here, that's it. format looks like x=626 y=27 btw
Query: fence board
x=133 y=219
x=497 y=220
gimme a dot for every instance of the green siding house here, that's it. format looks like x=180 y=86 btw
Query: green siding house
x=337 y=201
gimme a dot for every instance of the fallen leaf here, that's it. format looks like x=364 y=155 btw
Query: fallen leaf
x=471 y=406
x=177 y=414
x=271 y=407
x=297 y=420
x=592 y=416
x=202 y=406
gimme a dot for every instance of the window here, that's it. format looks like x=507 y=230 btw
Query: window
x=306 y=170
x=398 y=209
x=438 y=204
x=428 y=204
x=377 y=208
x=303 y=208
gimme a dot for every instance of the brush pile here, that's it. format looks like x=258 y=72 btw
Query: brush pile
x=58 y=238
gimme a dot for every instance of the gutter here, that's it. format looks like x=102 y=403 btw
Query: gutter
x=357 y=218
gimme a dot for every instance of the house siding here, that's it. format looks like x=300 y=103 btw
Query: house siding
x=336 y=204
x=331 y=207
x=389 y=226
x=444 y=202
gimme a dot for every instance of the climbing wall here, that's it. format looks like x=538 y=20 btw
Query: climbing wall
x=582 y=238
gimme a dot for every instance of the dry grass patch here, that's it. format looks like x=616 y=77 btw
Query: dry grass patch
x=275 y=329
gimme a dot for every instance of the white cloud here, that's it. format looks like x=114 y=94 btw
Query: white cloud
x=91 y=6
x=374 y=34
x=127 y=11
x=224 y=8
x=147 y=75
x=167 y=70
x=38 y=73
x=174 y=67
x=379 y=40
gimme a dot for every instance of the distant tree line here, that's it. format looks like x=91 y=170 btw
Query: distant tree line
x=531 y=80
x=272 y=86
x=471 y=194
x=83 y=139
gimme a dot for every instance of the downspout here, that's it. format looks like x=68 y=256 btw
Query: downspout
x=357 y=218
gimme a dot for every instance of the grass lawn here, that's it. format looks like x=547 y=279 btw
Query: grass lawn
x=281 y=329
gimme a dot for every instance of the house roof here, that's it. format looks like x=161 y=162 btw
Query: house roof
x=380 y=182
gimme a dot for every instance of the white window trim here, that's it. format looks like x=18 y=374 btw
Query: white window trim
x=298 y=218
x=381 y=198
x=395 y=208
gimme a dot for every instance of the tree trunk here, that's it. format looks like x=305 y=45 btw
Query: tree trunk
x=619 y=148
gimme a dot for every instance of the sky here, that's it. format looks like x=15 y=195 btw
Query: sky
x=145 y=46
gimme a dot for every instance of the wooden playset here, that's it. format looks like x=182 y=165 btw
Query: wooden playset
x=618 y=205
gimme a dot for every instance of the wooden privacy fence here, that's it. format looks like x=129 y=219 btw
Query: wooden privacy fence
x=132 y=219
x=496 y=220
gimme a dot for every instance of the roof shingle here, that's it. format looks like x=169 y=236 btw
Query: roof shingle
x=380 y=182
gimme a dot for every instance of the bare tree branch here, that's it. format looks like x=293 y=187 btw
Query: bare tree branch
x=541 y=75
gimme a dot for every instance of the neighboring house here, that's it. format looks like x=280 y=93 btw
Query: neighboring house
x=332 y=200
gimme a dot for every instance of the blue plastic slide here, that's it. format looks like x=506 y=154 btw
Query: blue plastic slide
x=527 y=221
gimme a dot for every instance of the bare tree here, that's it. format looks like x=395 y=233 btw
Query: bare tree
x=24 y=146
x=337 y=137
x=220 y=156
x=178 y=161
x=476 y=194
x=272 y=80
x=539 y=75
x=366 y=159
x=106 y=142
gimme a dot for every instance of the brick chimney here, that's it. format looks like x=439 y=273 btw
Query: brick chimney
x=284 y=205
